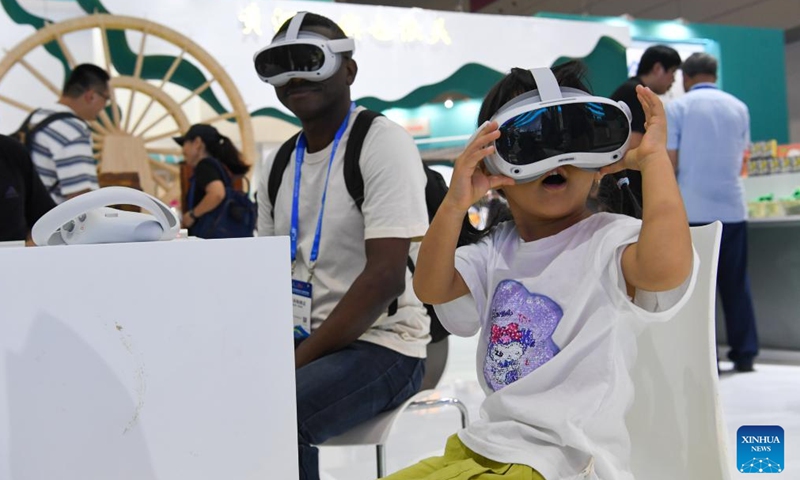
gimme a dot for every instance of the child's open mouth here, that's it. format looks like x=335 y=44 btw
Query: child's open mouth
x=554 y=178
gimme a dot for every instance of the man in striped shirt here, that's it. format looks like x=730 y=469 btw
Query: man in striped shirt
x=62 y=150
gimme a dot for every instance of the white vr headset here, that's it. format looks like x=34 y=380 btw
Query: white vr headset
x=552 y=126
x=300 y=54
x=87 y=219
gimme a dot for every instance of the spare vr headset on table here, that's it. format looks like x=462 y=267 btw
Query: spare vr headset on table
x=300 y=54
x=552 y=126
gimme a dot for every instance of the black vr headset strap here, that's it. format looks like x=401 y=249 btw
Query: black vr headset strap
x=352 y=169
x=276 y=172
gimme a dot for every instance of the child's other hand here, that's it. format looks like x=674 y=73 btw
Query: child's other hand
x=654 y=141
x=470 y=180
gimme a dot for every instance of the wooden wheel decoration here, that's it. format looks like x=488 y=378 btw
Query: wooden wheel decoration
x=144 y=113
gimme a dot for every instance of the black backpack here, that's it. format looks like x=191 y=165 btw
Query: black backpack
x=235 y=217
x=26 y=132
x=435 y=190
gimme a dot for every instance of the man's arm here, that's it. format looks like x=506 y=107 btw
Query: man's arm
x=381 y=281
x=215 y=194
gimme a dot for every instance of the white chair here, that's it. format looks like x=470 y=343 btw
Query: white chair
x=675 y=422
x=376 y=431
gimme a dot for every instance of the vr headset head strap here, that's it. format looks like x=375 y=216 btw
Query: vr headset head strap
x=294 y=26
x=546 y=84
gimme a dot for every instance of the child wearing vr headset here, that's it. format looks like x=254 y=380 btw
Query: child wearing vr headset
x=558 y=292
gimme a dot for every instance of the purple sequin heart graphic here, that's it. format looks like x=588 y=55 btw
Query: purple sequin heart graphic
x=522 y=325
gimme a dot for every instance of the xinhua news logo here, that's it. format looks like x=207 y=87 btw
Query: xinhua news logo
x=759 y=449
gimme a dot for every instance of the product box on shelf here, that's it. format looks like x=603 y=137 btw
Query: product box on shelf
x=763 y=158
x=790 y=157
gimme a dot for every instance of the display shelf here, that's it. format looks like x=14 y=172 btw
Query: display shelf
x=778 y=184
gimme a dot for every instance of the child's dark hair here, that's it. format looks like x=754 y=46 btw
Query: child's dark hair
x=610 y=197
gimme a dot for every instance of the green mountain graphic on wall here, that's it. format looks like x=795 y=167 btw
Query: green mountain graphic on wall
x=472 y=80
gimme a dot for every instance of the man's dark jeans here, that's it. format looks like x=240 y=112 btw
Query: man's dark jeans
x=341 y=390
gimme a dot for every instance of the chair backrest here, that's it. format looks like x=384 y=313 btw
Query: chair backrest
x=675 y=422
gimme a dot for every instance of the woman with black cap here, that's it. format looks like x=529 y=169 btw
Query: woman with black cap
x=213 y=157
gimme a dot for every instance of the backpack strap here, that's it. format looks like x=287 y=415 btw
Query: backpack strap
x=352 y=169
x=278 y=167
x=43 y=124
x=226 y=178
x=22 y=132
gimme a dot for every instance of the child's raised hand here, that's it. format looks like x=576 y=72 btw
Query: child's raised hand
x=470 y=180
x=654 y=141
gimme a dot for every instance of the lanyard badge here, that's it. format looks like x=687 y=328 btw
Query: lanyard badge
x=301 y=291
x=301 y=308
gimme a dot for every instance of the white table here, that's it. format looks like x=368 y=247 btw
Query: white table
x=165 y=360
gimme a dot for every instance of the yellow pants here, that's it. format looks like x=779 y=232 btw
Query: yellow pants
x=461 y=463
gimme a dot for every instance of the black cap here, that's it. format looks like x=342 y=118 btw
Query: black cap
x=209 y=134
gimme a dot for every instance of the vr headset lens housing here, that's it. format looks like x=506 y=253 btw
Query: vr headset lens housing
x=289 y=58
x=300 y=54
x=547 y=132
x=552 y=126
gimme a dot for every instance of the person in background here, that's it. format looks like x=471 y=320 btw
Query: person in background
x=207 y=151
x=559 y=293
x=355 y=356
x=23 y=197
x=656 y=71
x=709 y=132
x=62 y=150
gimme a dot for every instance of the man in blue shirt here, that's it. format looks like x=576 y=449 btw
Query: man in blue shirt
x=709 y=131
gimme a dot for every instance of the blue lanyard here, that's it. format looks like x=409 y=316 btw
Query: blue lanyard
x=299 y=156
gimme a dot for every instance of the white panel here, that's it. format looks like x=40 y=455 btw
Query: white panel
x=392 y=44
x=165 y=360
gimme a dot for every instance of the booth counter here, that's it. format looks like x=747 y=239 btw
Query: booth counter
x=773 y=265
x=143 y=361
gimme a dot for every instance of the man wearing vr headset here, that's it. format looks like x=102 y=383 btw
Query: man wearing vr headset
x=354 y=359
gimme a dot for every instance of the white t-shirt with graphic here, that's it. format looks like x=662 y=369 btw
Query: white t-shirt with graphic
x=557 y=342
x=394 y=207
